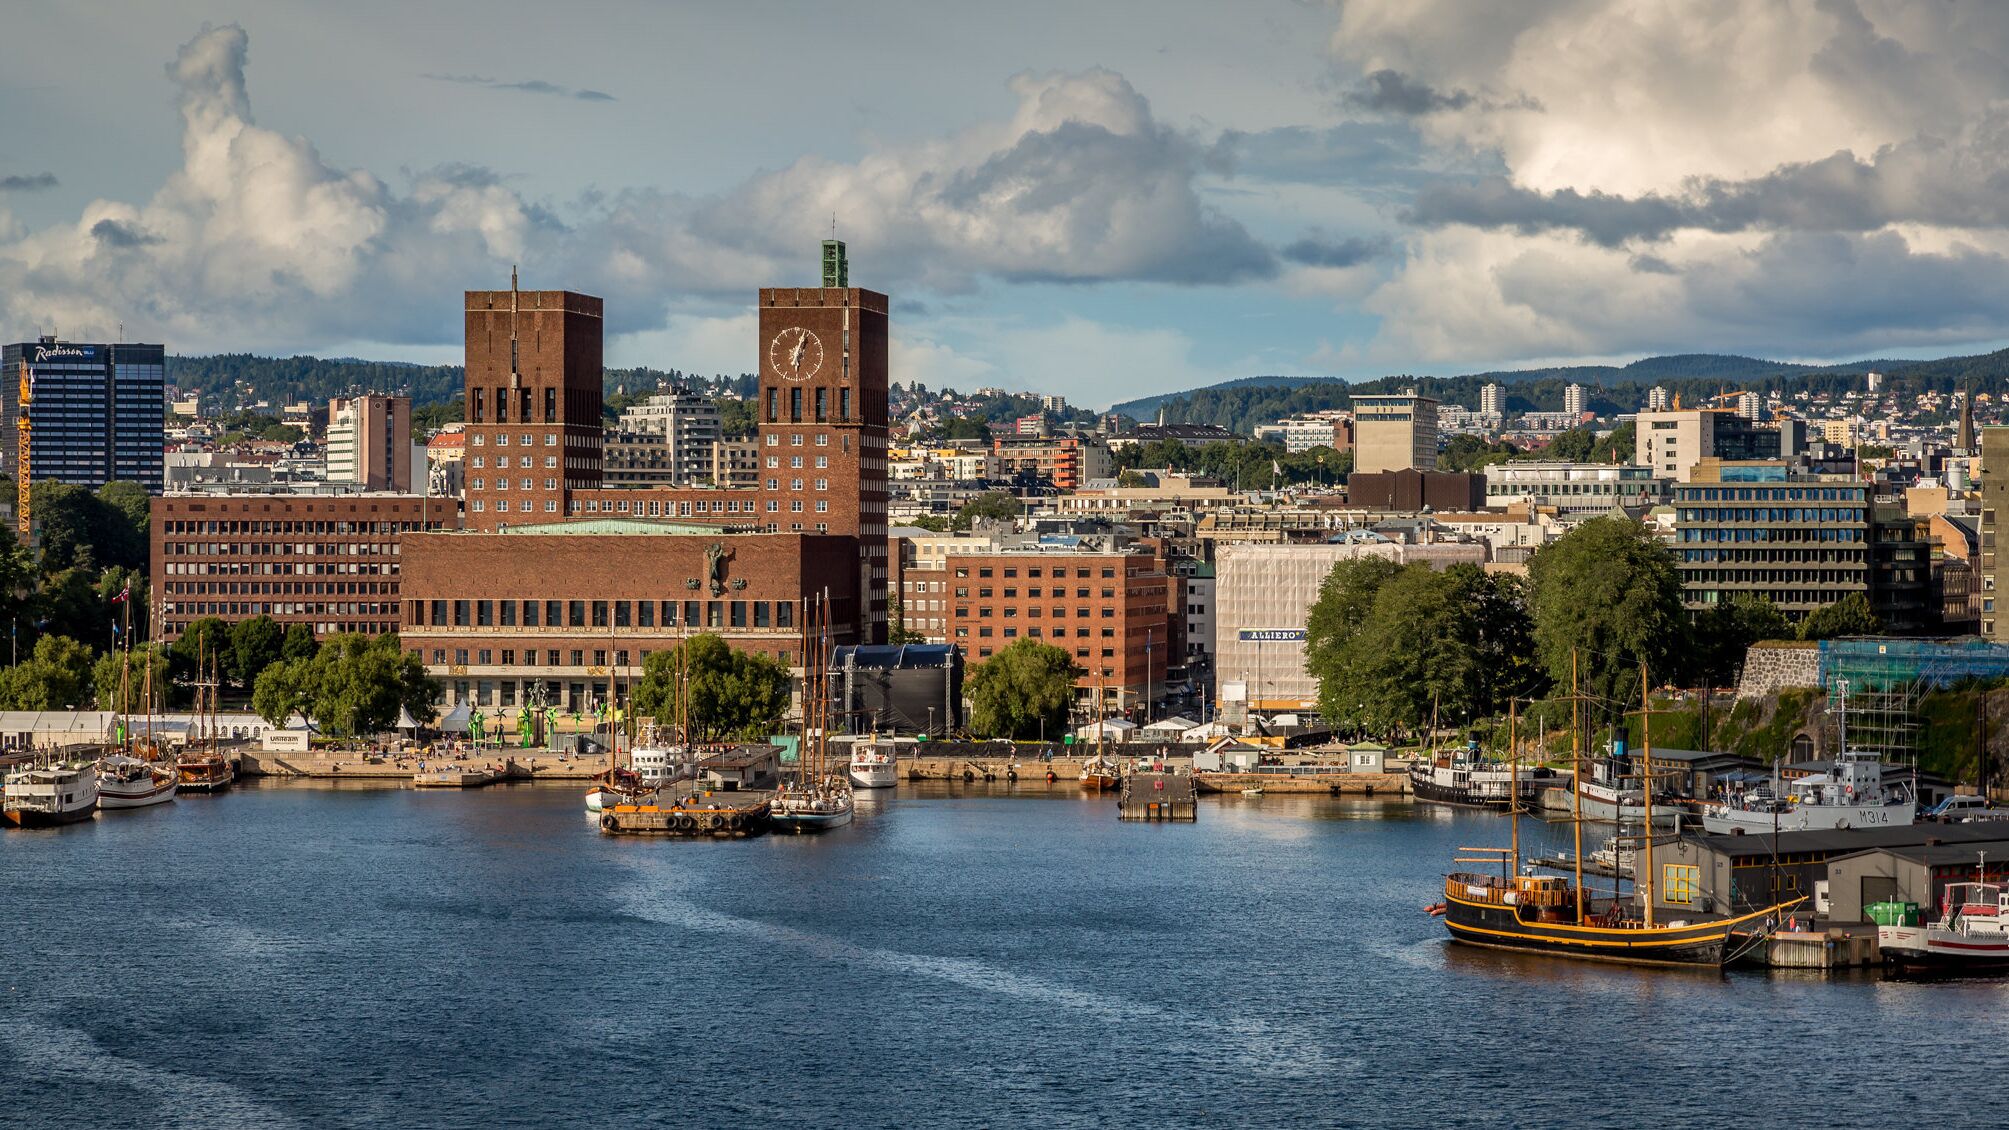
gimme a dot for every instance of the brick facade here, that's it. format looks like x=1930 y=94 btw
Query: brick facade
x=533 y=403
x=329 y=562
x=479 y=607
x=1110 y=611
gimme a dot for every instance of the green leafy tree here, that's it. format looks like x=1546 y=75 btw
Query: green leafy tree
x=1726 y=631
x=1464 y=452
x=993 y=506
x=1607 y=593
x=353 y=685
x=964 y=427
x=1618 y=447
x=1849 y=616
x=731 y=693
x=106 y=682
x=206 y=640
x=56 y=676
x=1572 y=446
x=1022 y=689
x=1399 y=650
x=299 y=643
x=255 y=644
x=737 y=417
x=1130 y=477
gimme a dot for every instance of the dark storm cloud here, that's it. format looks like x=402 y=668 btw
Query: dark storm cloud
x=27 y=182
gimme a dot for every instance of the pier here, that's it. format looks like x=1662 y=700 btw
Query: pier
x=457 y=777
x=1157 y=796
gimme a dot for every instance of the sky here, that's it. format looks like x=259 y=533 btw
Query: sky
x=1100 y=200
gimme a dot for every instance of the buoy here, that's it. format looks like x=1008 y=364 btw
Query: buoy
x=1050 y=778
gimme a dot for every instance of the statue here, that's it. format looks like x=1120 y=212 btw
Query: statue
x=716 y=556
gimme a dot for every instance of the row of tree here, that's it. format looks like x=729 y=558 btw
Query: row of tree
x=1399 y=648
x=1240 y=463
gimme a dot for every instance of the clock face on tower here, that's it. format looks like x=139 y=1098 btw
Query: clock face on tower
x=795 y=353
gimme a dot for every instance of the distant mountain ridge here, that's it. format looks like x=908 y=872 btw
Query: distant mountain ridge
x=1242 y=403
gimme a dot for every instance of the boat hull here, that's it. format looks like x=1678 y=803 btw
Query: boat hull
x=1423 y=788
x=1474 y=920
x=1805 y=818
x=39 y=818
x=872 y=775
x=137 y=794
x=1098 y=782
x=1933 y=951
x=809 y=821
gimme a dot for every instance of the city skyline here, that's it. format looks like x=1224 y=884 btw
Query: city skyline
x=1405 y=187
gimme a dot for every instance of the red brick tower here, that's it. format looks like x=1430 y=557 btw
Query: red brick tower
x=822 y=416
x=533 y=403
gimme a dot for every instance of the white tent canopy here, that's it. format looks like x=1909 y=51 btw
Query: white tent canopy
x=1110 y=729
x=1172 y=727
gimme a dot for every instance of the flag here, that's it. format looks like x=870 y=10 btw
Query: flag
x=1276 y=468
x=125 y=594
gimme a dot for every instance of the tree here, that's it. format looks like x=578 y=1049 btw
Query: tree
x=206 y=640
x=299 y=643
x=1618 y=447
x=1849 y=616
x=1464 y=452
x=56 y=676
x=1130 y=477
x=255 y=644
x=963 y=427
x=106 y=681
x=994 y=506
x=1572 y=446
x=1023 y=689
x=1727 y=630
x=1607 y=593
x=737 y=417
x=1401 y=647
x=353 y=685
x=731 y=693
x=896 y=621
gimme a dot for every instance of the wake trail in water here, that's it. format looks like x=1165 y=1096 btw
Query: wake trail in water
x=52 y=1052
x=1249 y=1041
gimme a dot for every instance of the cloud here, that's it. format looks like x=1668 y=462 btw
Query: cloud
x=112 y=233
x=1801 y=176
x=257 y=241
x=27 y=182
x=1315 y=249
x=525 y=86
x=1391 y=92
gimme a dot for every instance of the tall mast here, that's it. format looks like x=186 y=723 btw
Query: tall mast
x=1514 y=782
x=1576 y=773
x=1646 y=792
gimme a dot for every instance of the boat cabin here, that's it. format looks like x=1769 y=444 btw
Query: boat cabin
x=742 y=768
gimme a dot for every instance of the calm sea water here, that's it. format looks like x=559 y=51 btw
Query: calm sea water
x=294 y=956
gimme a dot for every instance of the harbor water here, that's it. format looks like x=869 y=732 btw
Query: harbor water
x=312 y=956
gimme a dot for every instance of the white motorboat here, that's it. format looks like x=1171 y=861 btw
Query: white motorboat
x=1853 y=794
x=873 y=767
x=125 y=781
x=660 y=766
x=50 y=795
x=1970 y=935
x=817 y=808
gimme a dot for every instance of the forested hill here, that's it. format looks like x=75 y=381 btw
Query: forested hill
x=233 y=380
x=1244 y=403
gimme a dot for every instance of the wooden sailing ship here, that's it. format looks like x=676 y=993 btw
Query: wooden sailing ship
x=202 y=767
x=1550 y=914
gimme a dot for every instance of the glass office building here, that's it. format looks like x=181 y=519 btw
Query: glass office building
x=84 y=414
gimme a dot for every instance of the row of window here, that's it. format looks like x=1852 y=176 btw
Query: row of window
x=1059 y=571
x=1766 y=534
x=1770 y=514
x=205 y=588
x=502 y=462
x=602 y=613
x=1768 y=494
x=177 y=526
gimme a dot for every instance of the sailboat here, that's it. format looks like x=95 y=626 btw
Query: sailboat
x=1549 y=914
x=124 y=780
x=205 y=770
x=816 y=800
x=1101 y=772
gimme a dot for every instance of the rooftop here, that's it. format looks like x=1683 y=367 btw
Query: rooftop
x=1839 y=841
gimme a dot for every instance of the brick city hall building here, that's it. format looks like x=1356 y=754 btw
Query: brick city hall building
x=560 y=582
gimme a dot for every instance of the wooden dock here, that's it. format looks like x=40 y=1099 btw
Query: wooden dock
x=690 y=812
x=1394 y=785
x=456 y=777
x=1157 y=796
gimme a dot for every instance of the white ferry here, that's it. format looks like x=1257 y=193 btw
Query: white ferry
x=51 y=795
x=873 y=766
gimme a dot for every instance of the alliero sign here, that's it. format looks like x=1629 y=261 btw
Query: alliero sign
x=1271 y=635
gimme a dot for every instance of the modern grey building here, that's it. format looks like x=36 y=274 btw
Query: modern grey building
x=686 y=425
x=83 y=414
